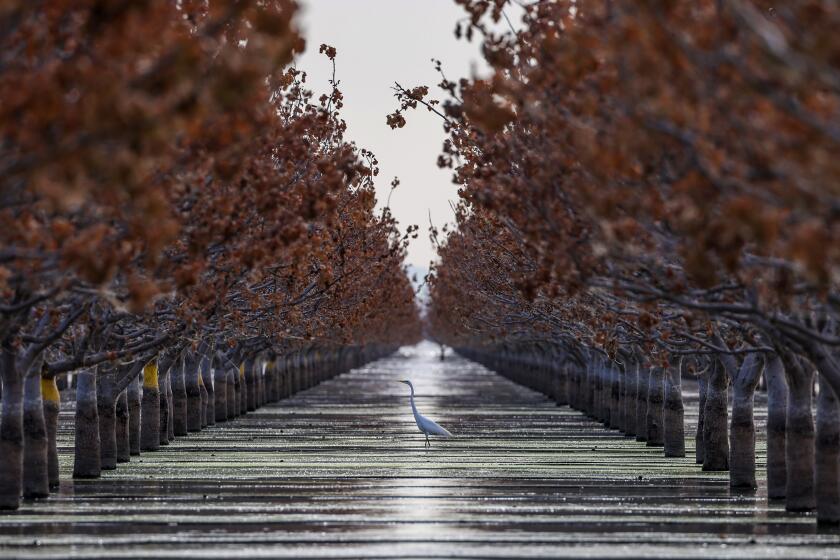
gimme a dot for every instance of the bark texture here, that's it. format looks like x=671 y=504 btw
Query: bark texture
x=107 y=411
x=632 y=375
x=35 y=444
x=655 y=434
x=134 y=396
x=193 y=391
x=232 y=393
x=179 y=399
x=210 y=390
x=828 y=457
x=642 y=381
x=11 y=434
x=52 y=406
x=715 y=420
x=251 y=384
x=777 y=395
x=742 y=435
x=673 y=417
x=800 y=435
x=615 y=397
x=122 y=428
x=699 y=441
x=87 y=447
x=166 y=414
x=220 y=391
x=150 y=410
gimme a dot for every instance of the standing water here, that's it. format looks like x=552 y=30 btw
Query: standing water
x=340 y=470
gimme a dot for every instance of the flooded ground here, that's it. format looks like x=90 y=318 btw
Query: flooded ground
x=340 y=471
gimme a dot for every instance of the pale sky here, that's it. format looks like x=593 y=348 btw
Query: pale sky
x=380 y=42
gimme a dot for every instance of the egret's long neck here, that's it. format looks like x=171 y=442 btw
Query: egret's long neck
x=411 y=398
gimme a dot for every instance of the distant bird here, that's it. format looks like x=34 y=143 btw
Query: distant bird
x=424 y=424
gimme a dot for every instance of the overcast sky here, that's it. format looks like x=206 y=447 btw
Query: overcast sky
x=380 y=42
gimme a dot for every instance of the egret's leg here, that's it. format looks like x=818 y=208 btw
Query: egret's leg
x=428 y=443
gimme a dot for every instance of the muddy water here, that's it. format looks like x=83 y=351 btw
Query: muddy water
x=340 y=471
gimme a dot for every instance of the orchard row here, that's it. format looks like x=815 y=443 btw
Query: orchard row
x=650 y=191
x=177 y=207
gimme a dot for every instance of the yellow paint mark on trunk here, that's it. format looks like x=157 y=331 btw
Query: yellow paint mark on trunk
x=49 y=390
x=150 y=376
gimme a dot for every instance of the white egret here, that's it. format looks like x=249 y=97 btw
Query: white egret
x=424 y=424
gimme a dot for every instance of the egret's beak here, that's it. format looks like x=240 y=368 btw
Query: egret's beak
x=404 y=381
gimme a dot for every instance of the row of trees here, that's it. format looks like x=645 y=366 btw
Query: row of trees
x=186 y=230
x=648 y=191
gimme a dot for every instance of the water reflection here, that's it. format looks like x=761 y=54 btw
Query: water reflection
x=340 y=470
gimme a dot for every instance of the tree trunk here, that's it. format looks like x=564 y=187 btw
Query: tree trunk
x=561 y=385
x=220 y=391
x=292 y=373
x=301 y=364
x=603 y=392
x=615 y=396
x=87 y=446
x=179 y=398
x=203 y=391
x=52 y=406
x=584 y=389
x=631 y=374
x=306 y=370
x=279 y=373
x=716 y=420
x=673 y=415
x=316 y=364
x=242 y=390
x=210 y=390
x=828 y=457
x=107 y=410
x=283 y=378
x=150 y=409
x=655 y=432
x=170 y=406
x=642 y=384
x=134 y=399
x=623 y=395
x=742 y=433
x=592 y=388
x=232 y=394
x=166 y=404
x=35 y=445
x=569 y=373
x=800 y=436
x=777 y=394
x=256 y=374
x=259 y=371
x=194 y=404
x=553 y=377
x=122 y=428
x=251 y=384
x=271 y=381
x=699 y=442
x=593 y=383
x=11 y=433
x=279 y=369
